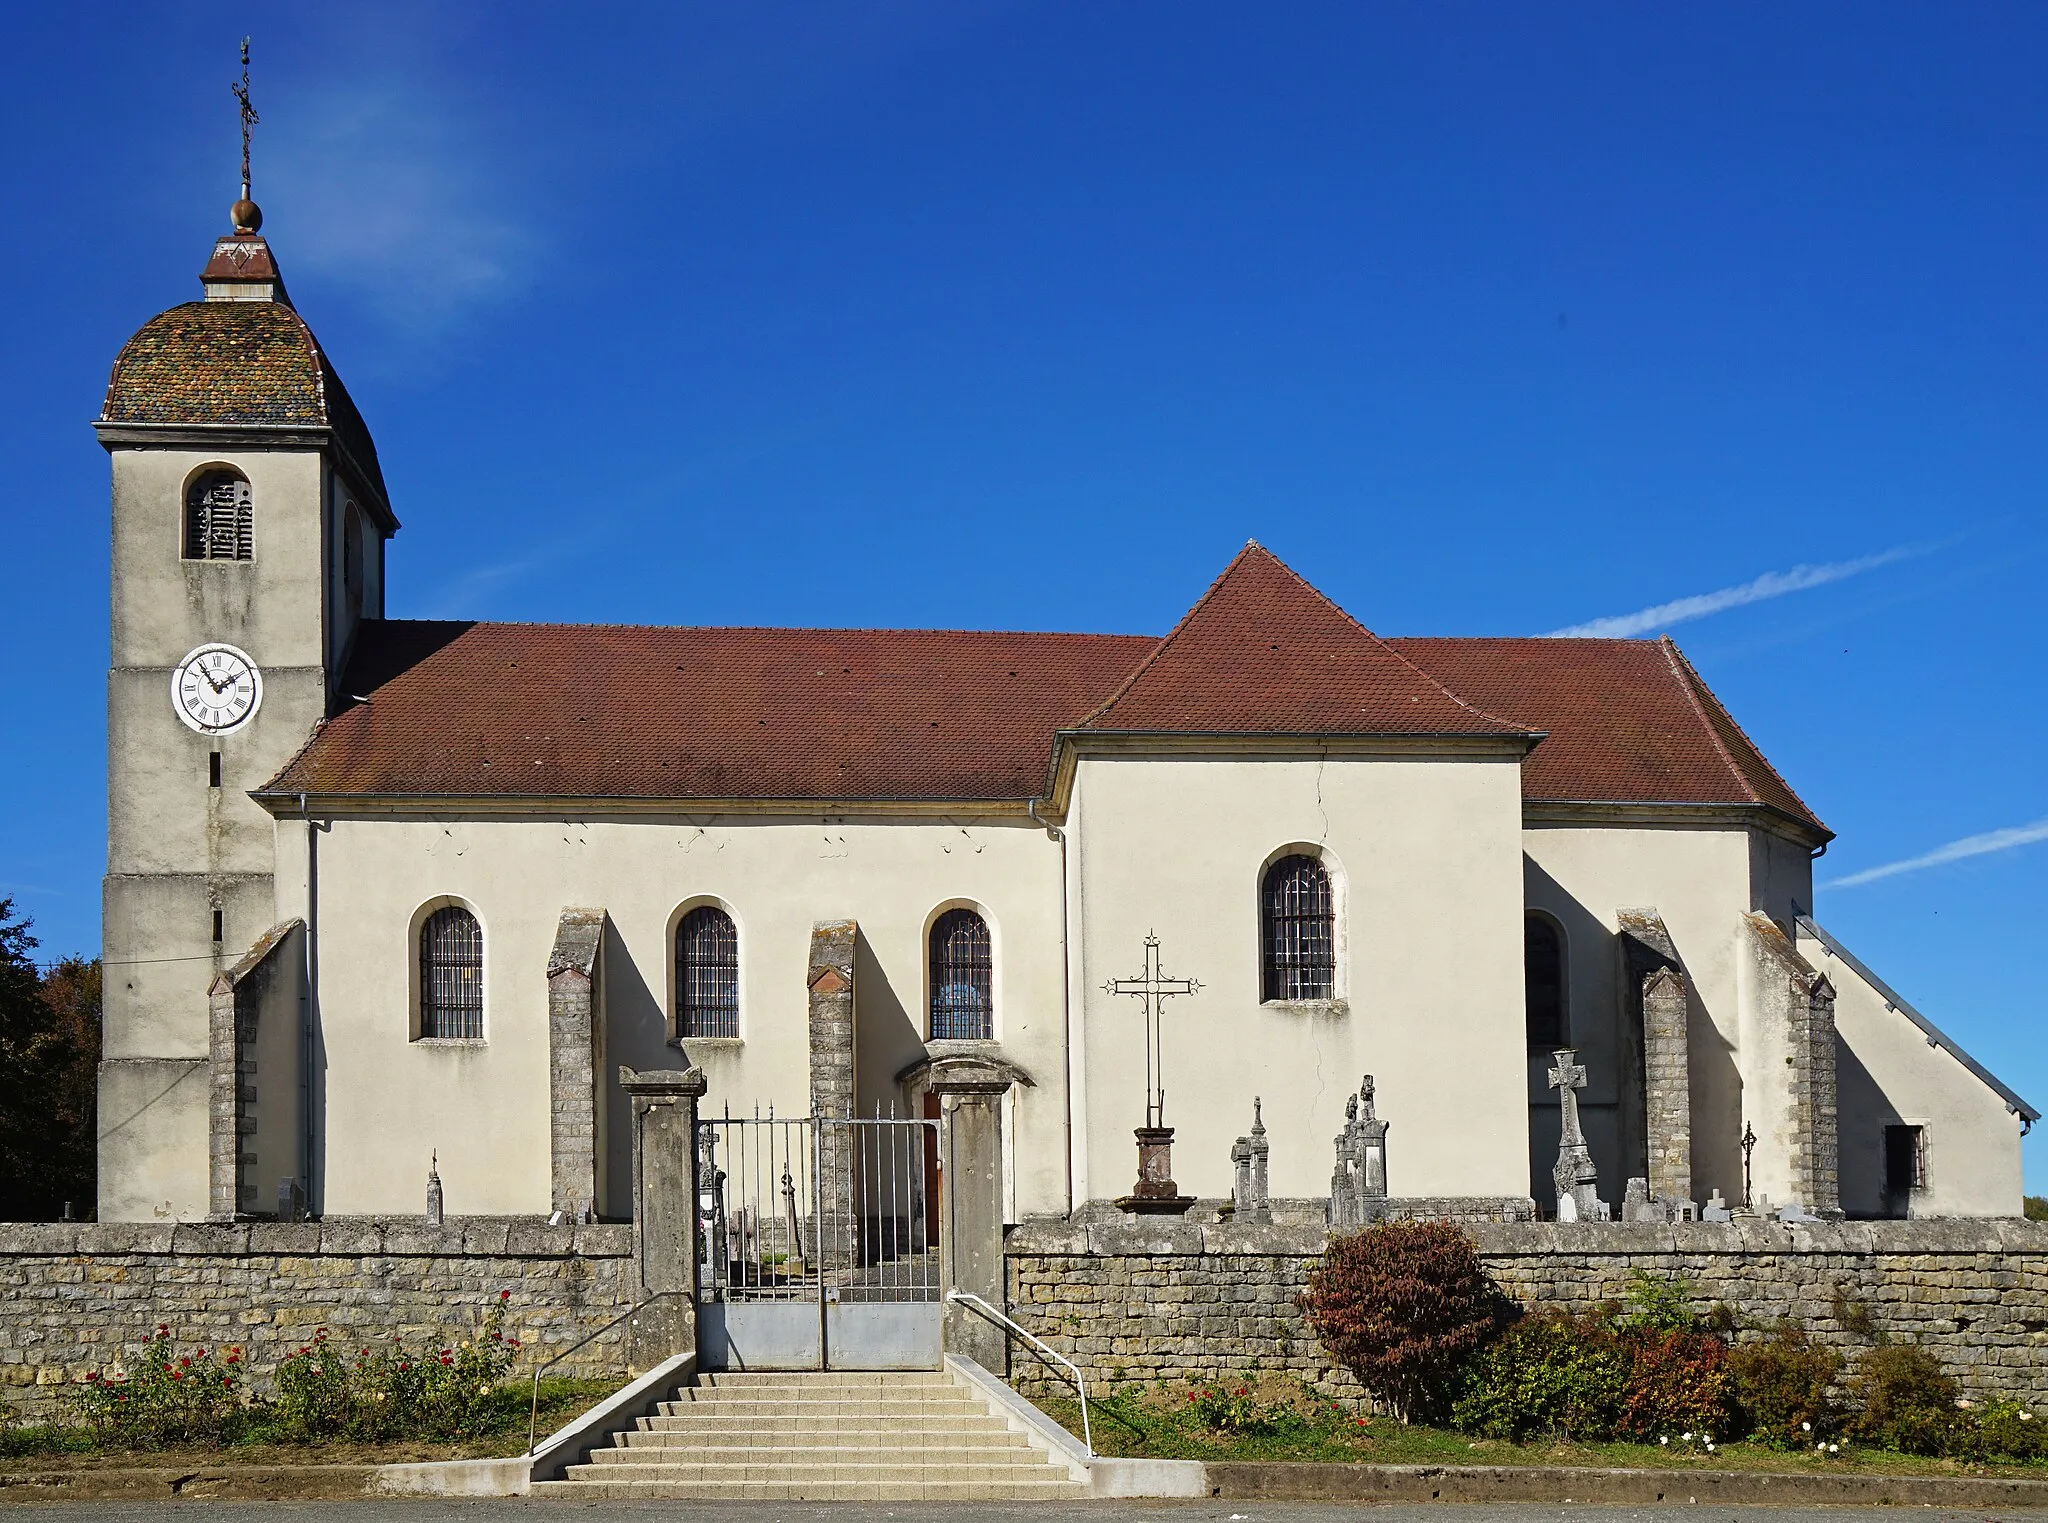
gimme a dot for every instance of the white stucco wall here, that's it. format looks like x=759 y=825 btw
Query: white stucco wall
x=389 y=1100
x=1700 y=880
x=1888 y=1074
x=1426 y=858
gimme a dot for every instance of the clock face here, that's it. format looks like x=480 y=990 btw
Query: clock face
x=216 y=689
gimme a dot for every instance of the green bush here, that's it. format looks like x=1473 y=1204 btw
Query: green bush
x=1403 y=1305
x=1592 y=1378
x=1908 y=1402
x=380 y=1394
x=2011 y=1431
x=167 y=1399
x=1783 y=1389
x=1548 y=1373
x=322 y=1391
x=1237 y=1409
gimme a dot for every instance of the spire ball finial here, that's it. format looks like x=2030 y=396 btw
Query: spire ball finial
x=247 y=215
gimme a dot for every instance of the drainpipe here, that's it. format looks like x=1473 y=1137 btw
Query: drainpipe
x=1066 y=993
x=306 y=1005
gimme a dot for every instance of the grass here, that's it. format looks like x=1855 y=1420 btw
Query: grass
x=1156 y=1422
x=50 y=1446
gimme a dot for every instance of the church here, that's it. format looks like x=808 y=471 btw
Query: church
x=392 y=898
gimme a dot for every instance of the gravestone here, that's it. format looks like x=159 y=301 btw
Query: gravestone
x=1250 y=1199
x=434 y=1203
x=1578 y=1183
x=1358 y=1185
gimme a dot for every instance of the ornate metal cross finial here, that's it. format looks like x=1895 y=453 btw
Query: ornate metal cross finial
x=249 y=116
x=1153 y=986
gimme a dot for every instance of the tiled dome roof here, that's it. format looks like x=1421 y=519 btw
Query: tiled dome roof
x=249 y=363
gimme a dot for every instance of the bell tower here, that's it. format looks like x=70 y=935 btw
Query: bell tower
x=249 y=525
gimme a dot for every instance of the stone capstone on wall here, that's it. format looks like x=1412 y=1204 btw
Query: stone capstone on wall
x=75 y=1298
x=1188 y=1301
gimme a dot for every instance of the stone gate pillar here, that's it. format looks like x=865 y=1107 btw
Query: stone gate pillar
x=970 y=1091
x=575 y=1059
x=828 y=982
x=664 y=1210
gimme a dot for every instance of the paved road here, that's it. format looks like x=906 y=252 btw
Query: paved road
x=394 y=1511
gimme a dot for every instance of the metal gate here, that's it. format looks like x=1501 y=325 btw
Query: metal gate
x=816 y=1244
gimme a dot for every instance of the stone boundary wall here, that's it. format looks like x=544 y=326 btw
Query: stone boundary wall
x=81 y=1297
x=1184 y=1301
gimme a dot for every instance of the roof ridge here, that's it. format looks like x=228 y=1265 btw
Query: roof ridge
x=1697 y=690
x=780 y=629
x=1678 y=668
x=1251 y=547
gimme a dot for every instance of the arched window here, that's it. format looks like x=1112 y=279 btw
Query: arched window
x=219 y=518
x=452 y=974
x=963 y=1005
x=1543 y=980
x=707 y=974
x=1297 y=932
x=352 y=557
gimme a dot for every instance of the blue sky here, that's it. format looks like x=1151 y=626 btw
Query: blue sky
x=1488 y=318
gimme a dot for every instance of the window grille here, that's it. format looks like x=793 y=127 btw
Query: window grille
x=963 y=1005
x=707 y=974
x=452 y=975
x=1543 y=982
x=1297 y=932
x=219 y=519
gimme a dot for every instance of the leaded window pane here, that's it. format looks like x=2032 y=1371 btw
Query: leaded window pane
x=452 y=975
x=1297 y=932
x=707 y=974
x=963 y=1003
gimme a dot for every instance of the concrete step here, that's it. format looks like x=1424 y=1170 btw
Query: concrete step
x=814 y=1491
x=824 y=1470
x=991 y=1434
x=878 y=1406
x=803 y=1461
x=826 y=1379
x=713 y=1421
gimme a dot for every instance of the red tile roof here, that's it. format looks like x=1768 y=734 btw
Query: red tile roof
x=594 y=711
x=817 y=716
x=1263 y=653
x=1629 y=721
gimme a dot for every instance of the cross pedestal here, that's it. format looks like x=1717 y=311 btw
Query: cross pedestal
x=1155 y=1193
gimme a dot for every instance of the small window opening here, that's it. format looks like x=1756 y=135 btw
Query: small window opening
x=452 y=975
x=1905 y=1164
x=1543 y=982
x=963 y=979
x=217 y=927
x=213 y=769
x=219 y=518
x=1297 y=932
x=707 y=974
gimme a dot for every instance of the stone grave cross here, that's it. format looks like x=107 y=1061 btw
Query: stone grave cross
x=1578 y=1185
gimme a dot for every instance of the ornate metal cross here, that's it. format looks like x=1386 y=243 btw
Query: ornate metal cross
x=1153 y=987
x=249 y=116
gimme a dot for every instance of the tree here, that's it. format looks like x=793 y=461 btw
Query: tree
x=49 y=1060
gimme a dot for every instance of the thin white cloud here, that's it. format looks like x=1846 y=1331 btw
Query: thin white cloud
x=1956 y=851
x=380 y=184
x=1772 y=584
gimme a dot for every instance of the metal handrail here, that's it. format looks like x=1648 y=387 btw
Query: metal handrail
x=533 y=1412
x=1080 y=1385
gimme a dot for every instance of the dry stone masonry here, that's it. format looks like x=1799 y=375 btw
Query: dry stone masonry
x=81 y=1297
x=1188 y=1301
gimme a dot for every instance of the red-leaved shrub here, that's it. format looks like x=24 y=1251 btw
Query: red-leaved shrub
x=1403 y=1305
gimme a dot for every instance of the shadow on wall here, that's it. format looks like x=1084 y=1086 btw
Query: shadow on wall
x=1590 y=1026
x=887 y=1035
x=635 y=1035
x=1862 y=1113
